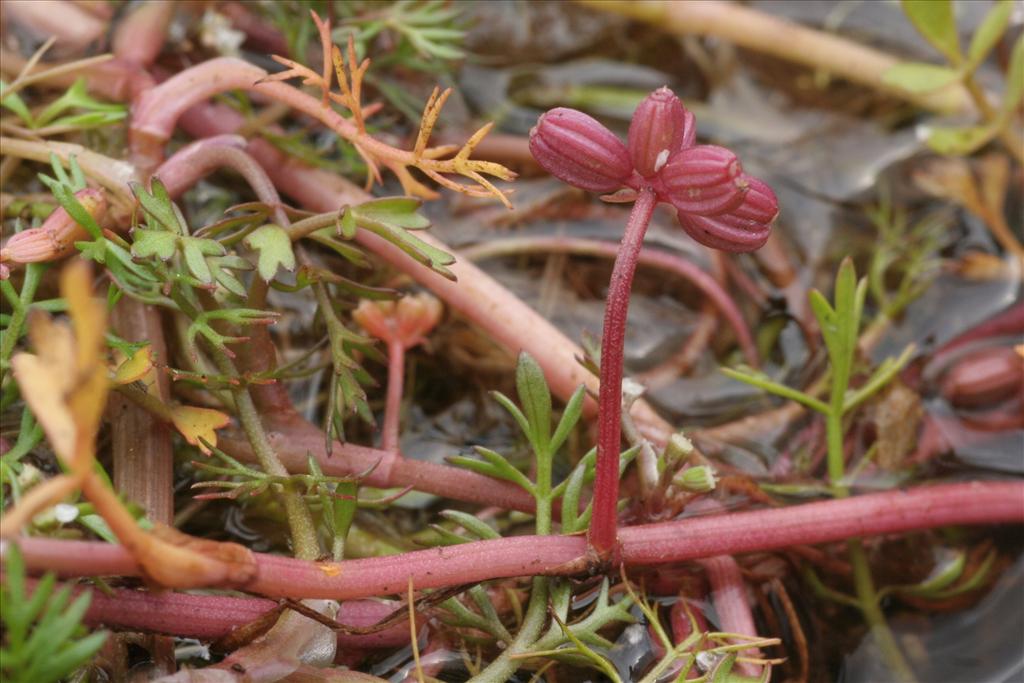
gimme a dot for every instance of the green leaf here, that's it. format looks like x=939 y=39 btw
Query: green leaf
x=158 y=205
x=16 y=105
x=157 y=243
x=961 y=141
x=401 y=211
x=535 y=398
x=992 y=28
x=935 y=21
x=918 y=77
x=474 y=525
x=570 y=416
x=762 y=381
x=346 y=224
x=1014 y=79
x=514 y=411
x=196 y=262
x=275 y=250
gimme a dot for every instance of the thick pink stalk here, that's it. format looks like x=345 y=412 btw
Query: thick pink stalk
x=970 y=503
x=141 y=34
x=196 y=161
x=603 y=524
x=209 y=617
x=73 y=27
x=475 y=295
x=296 y=439
x=393 y=402
x=729 y=596
x=654 y=258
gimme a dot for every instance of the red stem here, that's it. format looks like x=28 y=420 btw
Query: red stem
x=925 y=507
x=602 y=534
x=393 y=402
x=208 y=617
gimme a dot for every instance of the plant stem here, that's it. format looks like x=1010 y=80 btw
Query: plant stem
x=300 y=521
x=924 y=507
x=602 y=532
x=867 y=598
x=393 y=401
x=1013 y=142
x=502 y=668
x=19 y=311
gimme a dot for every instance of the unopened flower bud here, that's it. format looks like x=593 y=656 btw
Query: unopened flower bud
x=578 y=150
x=406 y=321
x=661 y=126
x=678 y=447
x=697 y=479
x=704 y=180
x=742 y=229
x=56 y=237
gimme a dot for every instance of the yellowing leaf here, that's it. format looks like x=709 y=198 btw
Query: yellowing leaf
x=135 y=368
x=194 y=423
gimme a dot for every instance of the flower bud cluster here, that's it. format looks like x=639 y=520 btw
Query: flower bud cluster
x=718 y=204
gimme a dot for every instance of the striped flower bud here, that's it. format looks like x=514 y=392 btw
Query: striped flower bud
x=578 y=150
x=742 y=229
x=704 y=180
x=56 y=237
x=661 y=126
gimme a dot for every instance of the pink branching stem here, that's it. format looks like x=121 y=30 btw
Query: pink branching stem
x=197 y=160
x=965 y=503
x=295 y=439
x=603 y=524
x=140 y=36
x=648 y=257
x=209 y=617
x=729 y=596
x=476 y=295
x=393 y=401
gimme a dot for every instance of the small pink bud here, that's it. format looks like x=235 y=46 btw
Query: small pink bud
x=705 y=180
x=743 y=229
x=56 y=237
x=578 y=150
x=661 y=126
x=406 y=321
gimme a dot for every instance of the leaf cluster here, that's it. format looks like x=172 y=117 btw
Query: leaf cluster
x=86 y=112
x=935 y=21
x=43 y=636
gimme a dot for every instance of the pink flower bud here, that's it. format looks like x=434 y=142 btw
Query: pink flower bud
x=575 y=148
x=406 y=321
x=704 y=180
x=743 y=229
x=56 y=237
x=661 y=126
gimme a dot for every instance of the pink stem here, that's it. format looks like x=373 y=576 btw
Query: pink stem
x=925 y=507
x=729 y=596
x=201 y=158
x=603 y=524
x=140 y=36
x=208 y=617
x=73 y=27
x=393 y=402
x=648 y=257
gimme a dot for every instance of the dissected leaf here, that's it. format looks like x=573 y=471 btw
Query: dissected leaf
x=275 y=250
x=134 y=368
x=199 y=424
x=157 y=243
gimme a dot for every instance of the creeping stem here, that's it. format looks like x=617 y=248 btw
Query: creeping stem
x=602 y=534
